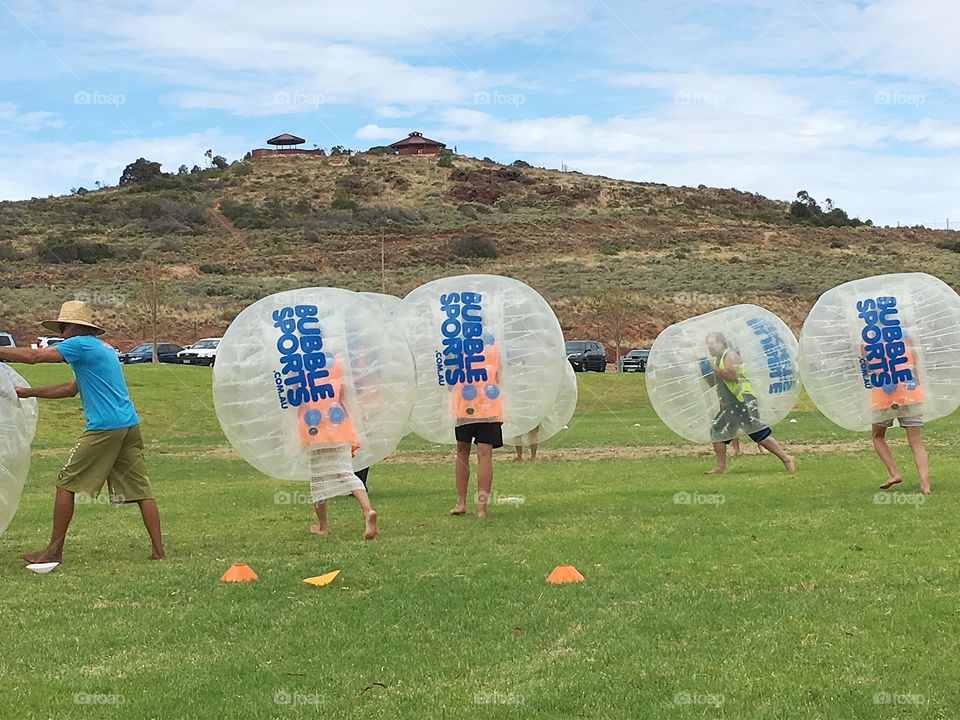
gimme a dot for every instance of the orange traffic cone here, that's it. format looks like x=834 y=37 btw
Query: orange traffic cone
x=239 y=572
x=564 y=574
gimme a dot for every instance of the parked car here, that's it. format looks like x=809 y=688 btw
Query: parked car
x=143 y=353
x=202 y=352
x=46 y=341
x=586 y=355
x=634 y=361
x=6 y=340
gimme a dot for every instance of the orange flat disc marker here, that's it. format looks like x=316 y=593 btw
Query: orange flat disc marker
x=564 y=574
x=239 y=572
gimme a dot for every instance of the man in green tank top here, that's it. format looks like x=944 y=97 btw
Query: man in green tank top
x=739 y=409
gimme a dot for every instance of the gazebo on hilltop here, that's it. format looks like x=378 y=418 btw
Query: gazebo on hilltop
x=285 y=140
x=285 y=144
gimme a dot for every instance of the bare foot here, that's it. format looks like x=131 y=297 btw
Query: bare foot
x=318 y=529
x=517 y=459
x=459 y=509
x=924 y=487
x=716 y=471
x=891 y=481
x=370 y=526
x=738 y=453
x=790 y=464
x=157 y=555
x=43 y=556
x=481 y=512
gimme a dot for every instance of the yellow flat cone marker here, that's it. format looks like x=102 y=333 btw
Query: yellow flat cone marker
x=564 y=574
x=239 y=572
x=321 y=580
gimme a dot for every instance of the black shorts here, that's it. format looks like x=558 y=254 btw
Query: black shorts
x=737 y=418
x=485 y=433
x=362 y=475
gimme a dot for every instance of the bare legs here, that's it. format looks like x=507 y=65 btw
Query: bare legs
x=769 y=443
x=151 y=520
x=369 y=516
x=915 y=440
x=484 y=477
x=518 y=456
x=62 y=515
x=720 y=451
x=919 y=457
x=462 y=477
x=321 y=527
x=63 y=504
x=879 y=433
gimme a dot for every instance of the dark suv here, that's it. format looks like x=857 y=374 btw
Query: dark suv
x=586 y=355
x=634 y=361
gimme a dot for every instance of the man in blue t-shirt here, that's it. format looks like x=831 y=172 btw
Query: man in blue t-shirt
x=111 y=448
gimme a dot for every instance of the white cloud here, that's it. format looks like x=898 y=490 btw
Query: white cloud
x=37 y=170
x=11 y=115
x=238 y=56
x=378 y=132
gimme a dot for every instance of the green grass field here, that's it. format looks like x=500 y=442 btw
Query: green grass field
x=757 y=595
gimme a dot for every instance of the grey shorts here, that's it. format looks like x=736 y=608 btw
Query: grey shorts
x=904 y=422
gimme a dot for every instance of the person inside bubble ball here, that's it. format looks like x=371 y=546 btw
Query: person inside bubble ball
x=477 y=407
x=328 y=434
x=739 y=410
x=904 y=401
x=110 y=450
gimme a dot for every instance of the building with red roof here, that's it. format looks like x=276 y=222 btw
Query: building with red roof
x=416 y=144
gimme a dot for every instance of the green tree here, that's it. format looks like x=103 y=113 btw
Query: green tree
x=139 y=171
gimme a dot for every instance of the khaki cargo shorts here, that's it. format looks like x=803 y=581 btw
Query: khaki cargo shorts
x=114 y=457
x=904 y=422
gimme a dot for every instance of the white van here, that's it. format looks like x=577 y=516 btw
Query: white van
x=6 y=340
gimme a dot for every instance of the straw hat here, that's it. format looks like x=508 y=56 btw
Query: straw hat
x=75 y=312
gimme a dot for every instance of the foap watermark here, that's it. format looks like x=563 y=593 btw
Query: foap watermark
x=685 y=697
x=101 y=299
x=96 y=97
x=495 y=697
x=85 y=698
x=286 y=497
x=894 y=698
x=888 y=498
x=285 y=697
x=699 y=298
x=484 y=97
x=496 y=498
x=99 y=499
x=895 y=97
x=299 y=99
x=683 y=97
x=686 y=498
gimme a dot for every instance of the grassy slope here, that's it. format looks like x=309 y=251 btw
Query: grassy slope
x=793 y=598
x=674 y=251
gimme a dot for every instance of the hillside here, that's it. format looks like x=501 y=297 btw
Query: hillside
x=224 y=238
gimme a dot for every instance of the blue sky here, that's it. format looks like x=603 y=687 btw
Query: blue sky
x=856 y=101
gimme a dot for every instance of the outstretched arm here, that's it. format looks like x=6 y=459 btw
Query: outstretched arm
x=51 y=392
x=30 y=356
